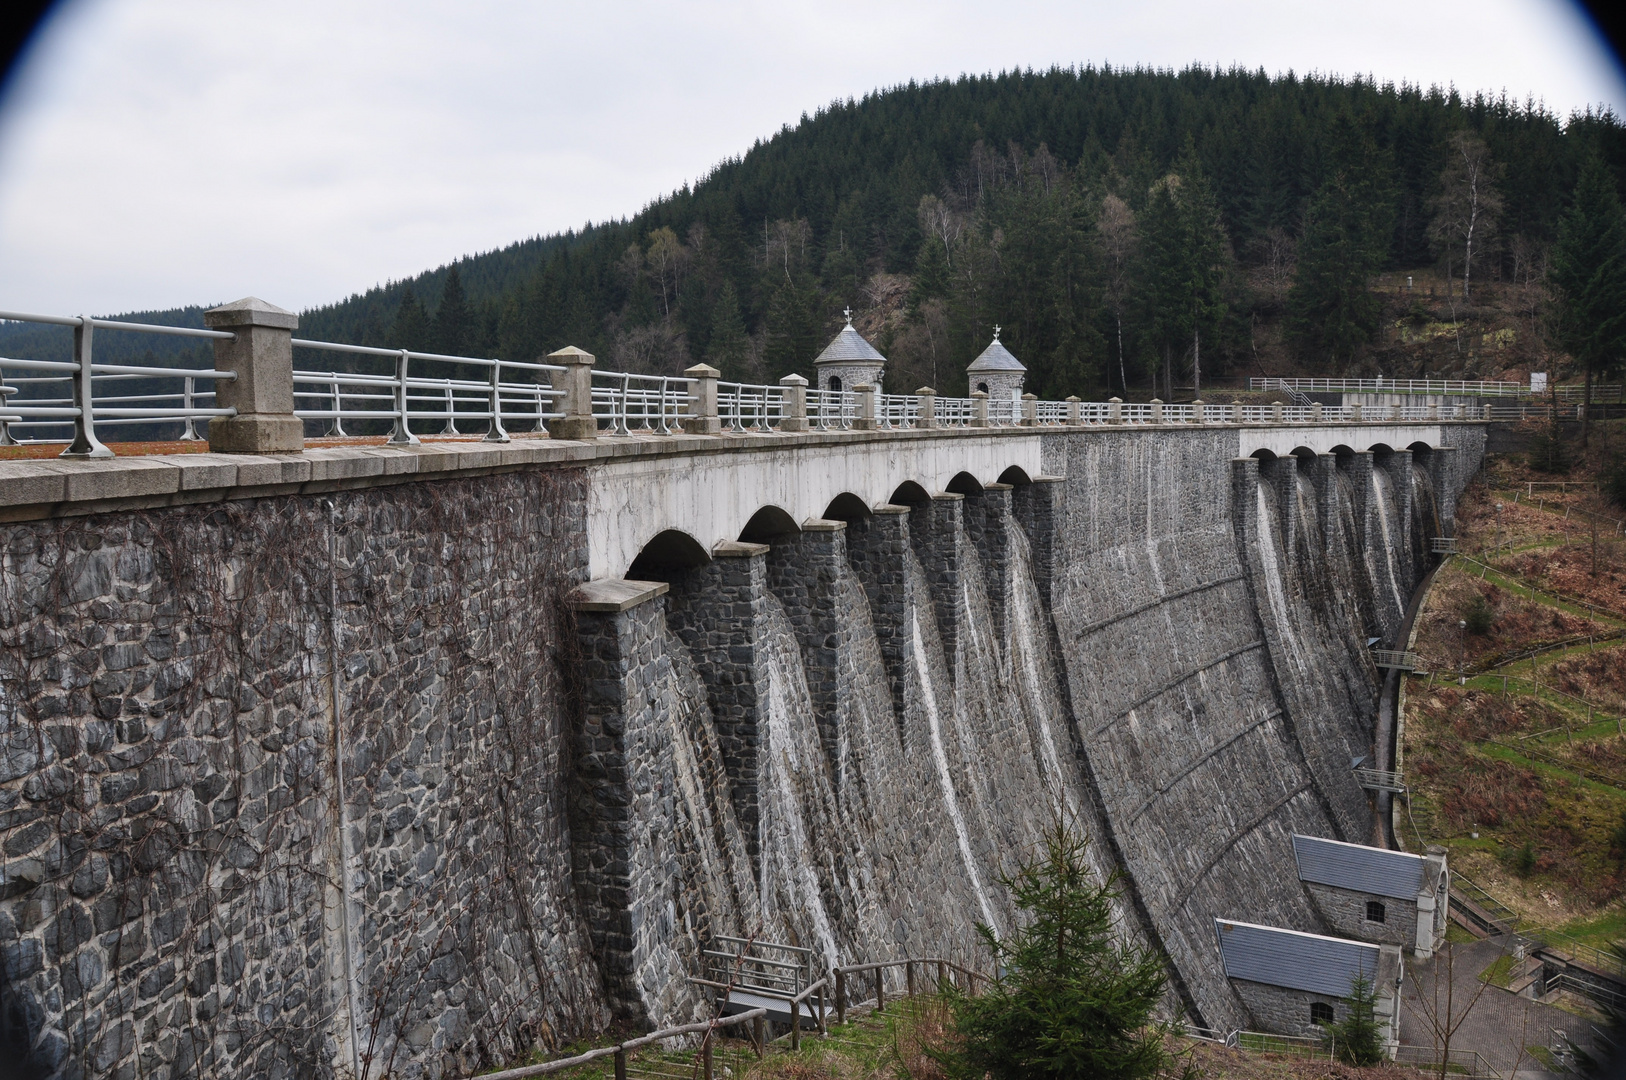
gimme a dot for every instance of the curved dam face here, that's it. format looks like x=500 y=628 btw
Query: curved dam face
x=319 y=784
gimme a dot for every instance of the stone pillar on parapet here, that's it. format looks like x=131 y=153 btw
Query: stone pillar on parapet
x=928 y=407
x=262 y=357
x=702 y=418
x=793 y=392
x=575 y=385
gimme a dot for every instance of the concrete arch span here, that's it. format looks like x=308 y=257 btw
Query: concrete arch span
x=713 y=494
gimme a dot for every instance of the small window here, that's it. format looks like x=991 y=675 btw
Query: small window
x=1320 y=1013
x=983 y=387
x=1374 y=911
x=835 y=384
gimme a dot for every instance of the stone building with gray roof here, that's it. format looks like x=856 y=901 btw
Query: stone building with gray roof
x=1293 y=983
x=997 y=373
x=1371 y=894
x=849 y=361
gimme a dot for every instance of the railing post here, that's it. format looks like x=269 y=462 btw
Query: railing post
x=1318 y=413
x=496 y=432
x=928 y=406
x=84 y=444
x=703 y=420
x=942 y=976
x=759 y=1036
x=1197 y=411
x=909 y=976
x=576 y=383
x=1115 y=410
x=841 y=996
x=1276 y=410
x=620 y=1064
x=262 y=356
x=1157 y=410
x=401 y=433
x=190 y=432
x=1030 y=410
x=880 y=989
x=795 y=1025
x=979 y=408
x=1355 y=413
x=793 y=414
x=1434 y=410
x=705 y=1057
x=1488 y=408
x=1075 y=415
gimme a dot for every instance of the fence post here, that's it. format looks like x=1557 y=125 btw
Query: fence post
x=401 y=433
x=620 y=1064
x=793 y=415
x=85 y=444
x=928 y=406
x=1030 y=410
x=1318 y=412
x=841 y=996
x=577 y=403
x=818 y=999
x=979 y=408
x=262 y=356
x=795 y=1025
x=703 y=420
x=1355 y=413
x=909 y=977
x=1075 y=415
x=1115 y=410
x=1157 y=410
x=705 y=1057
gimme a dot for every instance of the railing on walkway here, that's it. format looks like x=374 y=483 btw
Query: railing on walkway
x=1396 y=658
x=620 y=1050
x=1463 y=387
x=66 y=401
x=1381 y=780
x=425 y=387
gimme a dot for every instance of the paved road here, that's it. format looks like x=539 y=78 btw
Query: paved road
x=1496 y=1025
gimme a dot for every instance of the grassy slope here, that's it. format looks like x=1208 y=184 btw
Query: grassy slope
x=1538 y=769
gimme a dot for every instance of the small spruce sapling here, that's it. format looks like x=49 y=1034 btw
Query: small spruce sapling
x=1070 y=1000
x=1356 y=1039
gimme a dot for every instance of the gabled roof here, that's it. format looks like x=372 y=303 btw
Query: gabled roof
x=1365 y=869
x=1293 y=959
x=849 y=347
x=995 y=357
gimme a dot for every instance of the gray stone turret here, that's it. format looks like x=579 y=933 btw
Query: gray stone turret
x=849 y=361
x=997 y=373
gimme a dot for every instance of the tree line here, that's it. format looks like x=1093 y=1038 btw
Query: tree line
x=1126 y=227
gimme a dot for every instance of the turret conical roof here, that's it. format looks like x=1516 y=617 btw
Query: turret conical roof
x=849 y=347
x=995 y=357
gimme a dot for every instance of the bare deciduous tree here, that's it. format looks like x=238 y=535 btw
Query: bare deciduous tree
x=942 y=223
x=1467 y=206
x=668 y=259
x=1441 y=1005
x=1116 y=226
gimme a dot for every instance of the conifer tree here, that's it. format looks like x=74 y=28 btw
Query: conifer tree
x=1071 y=1000
x=1355 y=1038
x=1331 y=312
x=729 y=344
x=411 y=329
x=1185 y=260
x=454 y=323
x=1589 y=277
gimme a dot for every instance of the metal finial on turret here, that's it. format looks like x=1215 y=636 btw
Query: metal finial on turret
x=847 y=311
x=996 y=331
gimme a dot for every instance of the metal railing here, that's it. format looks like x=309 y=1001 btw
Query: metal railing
x=747 y=407
x=1380 y=385
x=628 y=404
x=73 y=398
x=620 y=1051
x=851 y=976
x=1381 y=780
x=410 y=392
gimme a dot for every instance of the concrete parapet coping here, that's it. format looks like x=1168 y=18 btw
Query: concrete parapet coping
x=947 y=496
x=823 y=525
x=615 y=594
x=31 y=489
x=889 y=508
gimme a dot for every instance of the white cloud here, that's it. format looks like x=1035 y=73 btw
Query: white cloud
x=160 y=152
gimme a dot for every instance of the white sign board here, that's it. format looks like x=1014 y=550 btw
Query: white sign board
x=1538 y=382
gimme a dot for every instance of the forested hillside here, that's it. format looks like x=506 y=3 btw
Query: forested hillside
x=1126 y=227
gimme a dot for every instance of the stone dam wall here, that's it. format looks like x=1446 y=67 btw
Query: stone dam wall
x=375 y=783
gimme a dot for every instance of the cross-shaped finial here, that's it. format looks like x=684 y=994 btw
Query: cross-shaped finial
x=847 y=311
x=996 y=331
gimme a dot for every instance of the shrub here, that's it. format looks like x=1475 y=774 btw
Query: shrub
x=1524 y=859
x=1070 y=1001
x=1479 y=616
x=1614 y=481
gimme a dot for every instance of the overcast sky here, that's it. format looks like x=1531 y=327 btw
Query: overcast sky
x=155 y=153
